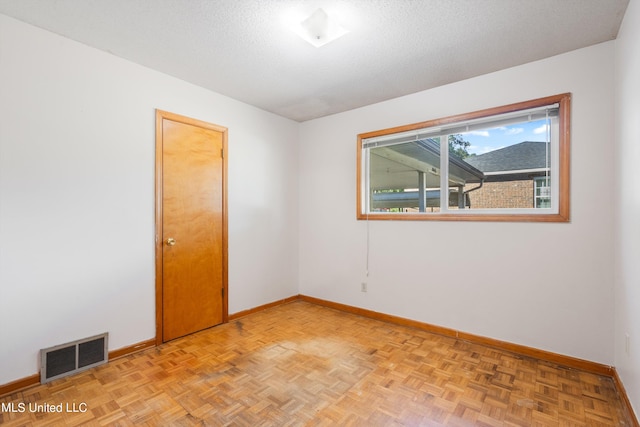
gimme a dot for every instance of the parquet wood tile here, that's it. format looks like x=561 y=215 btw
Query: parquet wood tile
x=301 y=364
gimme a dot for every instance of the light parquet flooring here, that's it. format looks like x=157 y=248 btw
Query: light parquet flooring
x=301 y=364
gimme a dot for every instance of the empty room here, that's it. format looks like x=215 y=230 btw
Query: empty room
x=244 y=212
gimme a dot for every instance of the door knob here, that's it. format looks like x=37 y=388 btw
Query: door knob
x=171 y=241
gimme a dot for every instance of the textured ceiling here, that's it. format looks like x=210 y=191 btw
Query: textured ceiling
x=245 y=49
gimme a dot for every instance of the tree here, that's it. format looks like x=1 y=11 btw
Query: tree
x=458 y=146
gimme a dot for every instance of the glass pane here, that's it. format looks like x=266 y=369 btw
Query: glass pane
x=405 y=177
x=463 y=176
x=499 y=167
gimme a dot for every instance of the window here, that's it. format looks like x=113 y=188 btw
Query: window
x=508 y=163
x=542 y=192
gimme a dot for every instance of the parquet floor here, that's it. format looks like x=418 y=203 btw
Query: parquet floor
x=304 y=365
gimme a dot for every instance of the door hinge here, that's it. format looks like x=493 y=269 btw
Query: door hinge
x=222 y=292
x=222 y=153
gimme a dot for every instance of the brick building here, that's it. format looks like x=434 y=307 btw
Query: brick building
x=515 y=177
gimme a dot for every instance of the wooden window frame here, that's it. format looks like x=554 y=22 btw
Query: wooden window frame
x=564 y=138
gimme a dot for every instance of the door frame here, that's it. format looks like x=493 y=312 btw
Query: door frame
x=160 y=117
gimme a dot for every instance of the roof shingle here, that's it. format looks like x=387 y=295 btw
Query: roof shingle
x=525 y=155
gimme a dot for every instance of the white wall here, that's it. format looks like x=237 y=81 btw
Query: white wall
x=77 y=154
x=547 y=286
x=627 y=254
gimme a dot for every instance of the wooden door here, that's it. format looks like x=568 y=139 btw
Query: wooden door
x=191 y=242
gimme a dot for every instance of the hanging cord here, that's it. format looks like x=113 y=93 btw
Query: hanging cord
x=546 y=150
x=366 y=210
x=547 y=184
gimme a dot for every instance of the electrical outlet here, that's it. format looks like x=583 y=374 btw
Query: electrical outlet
x=627 y=343
x=363 y=287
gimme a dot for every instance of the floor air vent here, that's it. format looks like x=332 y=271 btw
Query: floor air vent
x=66 y=359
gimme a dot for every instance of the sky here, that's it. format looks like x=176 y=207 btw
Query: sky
x=492 y=139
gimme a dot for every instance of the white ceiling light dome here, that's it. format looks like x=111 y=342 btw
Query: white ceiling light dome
x=320 y=28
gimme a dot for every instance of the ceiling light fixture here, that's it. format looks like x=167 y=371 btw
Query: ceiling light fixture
x=320 y=28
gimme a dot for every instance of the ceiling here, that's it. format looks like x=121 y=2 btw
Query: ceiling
x=245 y=49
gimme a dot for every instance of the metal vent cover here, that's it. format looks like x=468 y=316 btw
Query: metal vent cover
x=70 y=358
